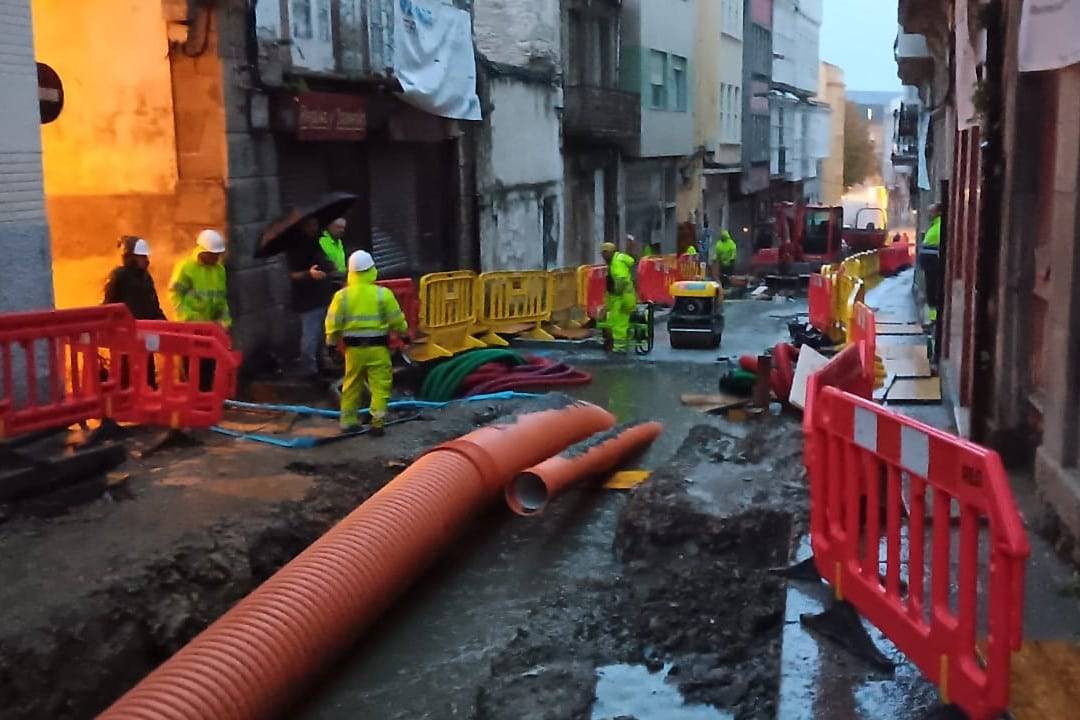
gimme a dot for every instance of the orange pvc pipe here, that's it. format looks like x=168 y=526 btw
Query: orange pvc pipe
x=255 y=660
x=531 y=491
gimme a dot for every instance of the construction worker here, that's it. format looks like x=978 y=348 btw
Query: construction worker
x=724 y=253
x=931 y=262
x=359 y=323
x=621 y=297
x=332 y=246
x=131 y=284
x=199 y=292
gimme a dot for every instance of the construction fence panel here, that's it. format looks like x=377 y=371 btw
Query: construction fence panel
x=55 y=369
x=517 y=302
x=592 y=286
x=563 y=289
x=654 y=279
x=688 y=268
x=821 y=302
x=408 y=298
x=184 y=373
x=447 y=315
x=948 y=535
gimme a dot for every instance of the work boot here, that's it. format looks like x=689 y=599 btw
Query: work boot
x=377 y=431
x=349 y=429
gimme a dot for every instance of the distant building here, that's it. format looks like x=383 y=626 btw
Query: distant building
x=661 y=190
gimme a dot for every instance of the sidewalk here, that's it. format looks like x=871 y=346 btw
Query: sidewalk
x=821 y=681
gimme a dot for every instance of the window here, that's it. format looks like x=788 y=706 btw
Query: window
x=678 y=78
x=658 y=80
x=736 y=131
x=300 y=19
x=731 y=21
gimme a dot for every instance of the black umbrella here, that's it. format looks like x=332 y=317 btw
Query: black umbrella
x=282 y=233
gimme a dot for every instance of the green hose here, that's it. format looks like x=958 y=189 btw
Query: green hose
x=442 y=383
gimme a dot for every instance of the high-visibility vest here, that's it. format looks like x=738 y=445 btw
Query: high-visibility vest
x=620 y=275
x=199 y=292
x=364 y=310
x=334 y=251
x=933 y=234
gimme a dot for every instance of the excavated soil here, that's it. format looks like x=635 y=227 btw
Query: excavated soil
x=696 y=594
x=113 y=589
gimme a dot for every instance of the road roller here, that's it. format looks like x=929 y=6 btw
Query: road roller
x=697 y=319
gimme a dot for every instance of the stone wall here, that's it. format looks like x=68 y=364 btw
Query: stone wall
x=24 y=233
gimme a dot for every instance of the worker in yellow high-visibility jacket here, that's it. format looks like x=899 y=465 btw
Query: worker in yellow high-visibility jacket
x=621 y=297
x=360 y=320
x=198 y=286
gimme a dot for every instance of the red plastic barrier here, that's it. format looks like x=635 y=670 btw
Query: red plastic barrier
x=195 y=373
x=894 y=258
x=595 y=289
x=408 y=298
x=654 y=279
x=73 y=384
x=821 y=302
x=861 y=457
x=863 y=334
x=94 y=363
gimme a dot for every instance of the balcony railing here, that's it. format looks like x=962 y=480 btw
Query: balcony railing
x=601 y=114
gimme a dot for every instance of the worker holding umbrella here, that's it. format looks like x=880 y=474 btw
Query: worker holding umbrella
x=314 y=274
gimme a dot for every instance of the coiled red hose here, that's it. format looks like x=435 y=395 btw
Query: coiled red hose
x=538 y=373
x=256 y=659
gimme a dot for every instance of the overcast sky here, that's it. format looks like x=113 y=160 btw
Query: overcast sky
x=858 y=35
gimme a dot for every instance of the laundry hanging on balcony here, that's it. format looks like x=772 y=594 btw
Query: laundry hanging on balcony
x=434 y=60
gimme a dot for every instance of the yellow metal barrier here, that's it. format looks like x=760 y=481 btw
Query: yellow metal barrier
x=448 y=314
x=513 y=302
x=563 y=290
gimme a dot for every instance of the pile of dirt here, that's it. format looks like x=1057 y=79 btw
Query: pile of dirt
x=696 y=594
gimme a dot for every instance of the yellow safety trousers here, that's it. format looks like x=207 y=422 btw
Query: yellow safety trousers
x=371 y=367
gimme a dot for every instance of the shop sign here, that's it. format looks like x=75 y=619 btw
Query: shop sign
x=330 y=116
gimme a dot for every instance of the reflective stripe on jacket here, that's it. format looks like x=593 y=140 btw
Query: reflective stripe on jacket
x=199 y=292
x=363 y=309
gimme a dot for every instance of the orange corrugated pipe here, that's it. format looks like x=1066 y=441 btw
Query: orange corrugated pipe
x=255 y=660
x=531 y=491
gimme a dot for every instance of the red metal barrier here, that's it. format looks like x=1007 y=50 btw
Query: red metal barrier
x=654 y=280
x=56 y=358
x=408 y=298
x=821 y=302
x=861 y=457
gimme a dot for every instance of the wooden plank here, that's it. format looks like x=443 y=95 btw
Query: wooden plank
x=915 y=390
x=1046 y=680
x=907 y=367
x=627 y=479
x=713 y=403
x=906 y=329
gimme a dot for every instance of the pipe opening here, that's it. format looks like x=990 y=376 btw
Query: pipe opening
x=528 y=494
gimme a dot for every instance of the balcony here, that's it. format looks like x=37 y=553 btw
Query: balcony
x=601 y=115
x=913 y=58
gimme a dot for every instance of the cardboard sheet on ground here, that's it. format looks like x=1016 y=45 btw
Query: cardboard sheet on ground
x=810 y=361
x=915 y=390
x=908 y=367
x=713 y=403
x=901 y=351
x=627 y=479
x=1045 y=680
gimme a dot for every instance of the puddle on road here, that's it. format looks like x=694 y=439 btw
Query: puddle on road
x=633 y=691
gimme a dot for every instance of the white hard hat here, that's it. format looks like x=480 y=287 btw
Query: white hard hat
x=211 y=241
x=361 y=261
x=141 y=247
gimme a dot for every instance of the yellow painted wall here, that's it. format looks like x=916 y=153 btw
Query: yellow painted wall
x=110 y=158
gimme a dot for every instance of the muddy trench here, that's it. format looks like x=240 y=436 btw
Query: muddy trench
x=689 y=595
x=92 y=653
x=696 y=600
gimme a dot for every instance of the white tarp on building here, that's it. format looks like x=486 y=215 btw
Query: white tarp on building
x=434 y=60
x=1048 y=34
